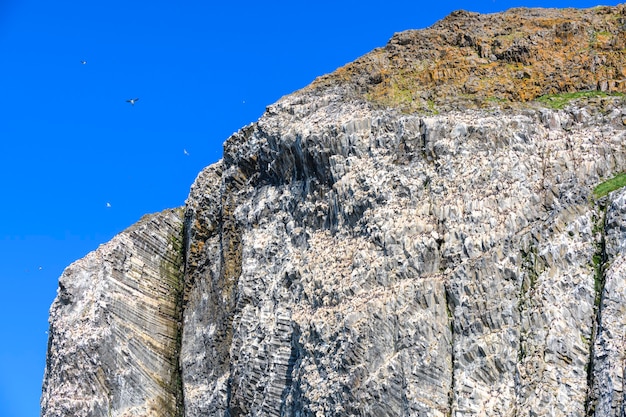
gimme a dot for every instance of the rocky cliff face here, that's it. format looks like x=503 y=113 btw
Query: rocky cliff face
x=115 y=327
x=347 y=258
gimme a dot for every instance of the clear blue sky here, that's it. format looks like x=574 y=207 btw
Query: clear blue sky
x=70 y=143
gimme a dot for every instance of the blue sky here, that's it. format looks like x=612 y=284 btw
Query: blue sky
x=70 y=143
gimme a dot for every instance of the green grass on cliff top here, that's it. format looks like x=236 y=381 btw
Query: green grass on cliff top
x=612 y=184
x=559 y=101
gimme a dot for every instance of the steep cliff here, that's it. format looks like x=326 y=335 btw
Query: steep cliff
x=375 y=248
x=115 y=327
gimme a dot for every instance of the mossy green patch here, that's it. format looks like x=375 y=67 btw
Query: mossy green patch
x=612 y=184
x=431 y=107
x=559 y=101
x=531 y=269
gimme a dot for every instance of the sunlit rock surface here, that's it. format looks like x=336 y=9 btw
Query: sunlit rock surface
x=391 y=264
x=115 y=327
x=344 y=259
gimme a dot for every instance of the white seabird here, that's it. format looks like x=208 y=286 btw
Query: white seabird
x=132 y=101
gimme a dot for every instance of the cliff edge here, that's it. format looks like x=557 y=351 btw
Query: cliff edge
x=419 y=233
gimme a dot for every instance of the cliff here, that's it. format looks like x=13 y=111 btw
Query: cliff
x=419 y=233
x=114 y=334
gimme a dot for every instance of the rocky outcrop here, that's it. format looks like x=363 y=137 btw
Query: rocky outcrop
x=348 y=259
x=481 y=60
x=114 y=332
x=609 y=358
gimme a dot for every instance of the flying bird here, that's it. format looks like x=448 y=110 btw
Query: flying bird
x=185 y=152
x=82 y=61
x=108 y=204
x=132 y=101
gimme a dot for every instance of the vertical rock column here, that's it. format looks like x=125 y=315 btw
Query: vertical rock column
x=205 y=355
x=609 y=358
x=114 y=327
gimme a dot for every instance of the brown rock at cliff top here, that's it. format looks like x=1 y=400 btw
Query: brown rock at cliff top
x=470 y=59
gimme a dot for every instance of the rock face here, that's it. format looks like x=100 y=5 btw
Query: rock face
x=114 y=327
x=344 y=259
x=469 y=59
